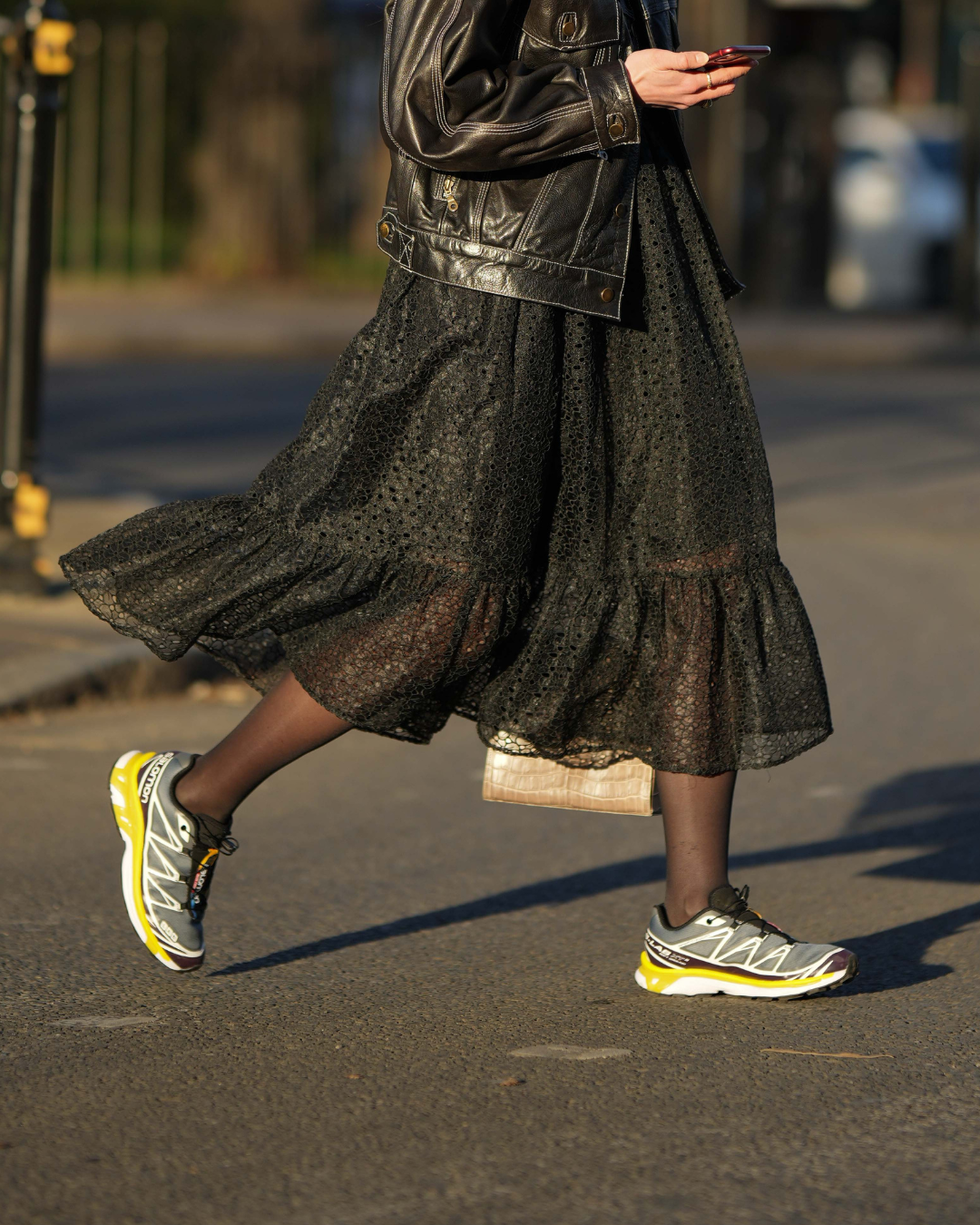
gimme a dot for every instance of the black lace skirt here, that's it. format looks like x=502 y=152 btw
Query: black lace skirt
x=559 y=527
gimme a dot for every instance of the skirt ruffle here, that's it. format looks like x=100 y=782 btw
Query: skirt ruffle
x=694 y=669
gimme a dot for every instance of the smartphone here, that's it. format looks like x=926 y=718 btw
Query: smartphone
x=737 y=55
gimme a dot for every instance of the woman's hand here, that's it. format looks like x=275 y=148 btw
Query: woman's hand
x=677 y=79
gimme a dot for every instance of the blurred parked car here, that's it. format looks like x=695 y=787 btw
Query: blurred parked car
x=898 y=206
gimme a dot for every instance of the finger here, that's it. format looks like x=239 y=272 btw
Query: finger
x=700 y=96
x=731 y=72
x=703 y=98
x=719 y=76
x=687 y=61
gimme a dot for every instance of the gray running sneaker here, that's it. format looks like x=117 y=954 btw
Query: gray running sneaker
x=169 y=857
x=727 y=948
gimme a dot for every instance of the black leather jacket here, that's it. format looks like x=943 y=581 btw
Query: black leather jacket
x=515 y=141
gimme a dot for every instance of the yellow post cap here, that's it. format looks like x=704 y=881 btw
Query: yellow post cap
x=30 y=509
x=51 y=42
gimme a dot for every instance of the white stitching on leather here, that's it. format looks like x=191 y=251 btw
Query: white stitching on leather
x=448 y=129
x=524 y=297
x=476 y=229
x=579 y=46
x=437 y=74
x=445 y=126
x=402 y=229
x=534 y=210
x=601 y=163
x=630 y=95
x=385 y=77
x=569 y=109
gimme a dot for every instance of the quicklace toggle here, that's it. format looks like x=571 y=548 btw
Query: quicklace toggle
x=215 y=835
x=740 y=913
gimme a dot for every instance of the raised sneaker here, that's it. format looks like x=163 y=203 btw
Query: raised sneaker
x=728 y=949
x=169 y=857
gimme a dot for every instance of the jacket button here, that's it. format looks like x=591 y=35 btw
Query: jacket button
x=607 y=294
x=568 y=28
x=616 y=129
x=620 y=210
x=384 y=229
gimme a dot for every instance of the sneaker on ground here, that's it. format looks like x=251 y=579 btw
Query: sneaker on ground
x=727 y=948
x=169 y=856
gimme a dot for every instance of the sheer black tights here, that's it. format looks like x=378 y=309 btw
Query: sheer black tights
x=697 y=816
x=285 y=725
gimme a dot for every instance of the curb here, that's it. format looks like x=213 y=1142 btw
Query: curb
x=47 y=679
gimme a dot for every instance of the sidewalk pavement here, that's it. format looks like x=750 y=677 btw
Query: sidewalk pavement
x=54 y=652
x=98 y=321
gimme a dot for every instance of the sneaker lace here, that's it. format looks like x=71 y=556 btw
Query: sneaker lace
x=227 y=845
x=740 y=914
x=203 y=864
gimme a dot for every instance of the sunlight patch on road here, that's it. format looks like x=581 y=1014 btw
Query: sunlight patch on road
x=104 y=1022
x=578 y=1053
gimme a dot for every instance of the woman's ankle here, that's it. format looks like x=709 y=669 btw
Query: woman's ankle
x=682 y=906
x=193 y=797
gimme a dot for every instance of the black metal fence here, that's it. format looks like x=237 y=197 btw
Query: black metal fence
x=236 y=152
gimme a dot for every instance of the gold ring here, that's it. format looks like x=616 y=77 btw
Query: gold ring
x=708 y=76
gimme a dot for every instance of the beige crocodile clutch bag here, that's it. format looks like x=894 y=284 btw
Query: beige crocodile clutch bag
x=626 y=787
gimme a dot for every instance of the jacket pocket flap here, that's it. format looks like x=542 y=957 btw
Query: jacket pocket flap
x=570 y=25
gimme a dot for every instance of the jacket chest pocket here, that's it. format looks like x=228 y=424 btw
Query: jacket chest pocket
x=571 y=26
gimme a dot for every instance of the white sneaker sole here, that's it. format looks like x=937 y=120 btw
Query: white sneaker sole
x=674 y=982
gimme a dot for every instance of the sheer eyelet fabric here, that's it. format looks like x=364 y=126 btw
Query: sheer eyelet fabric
x=557 y=526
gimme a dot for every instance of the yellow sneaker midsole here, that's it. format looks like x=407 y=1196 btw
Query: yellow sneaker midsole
x=128 y=811
x=658 y=978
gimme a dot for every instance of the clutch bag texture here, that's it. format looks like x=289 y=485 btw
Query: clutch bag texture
x=626 y=787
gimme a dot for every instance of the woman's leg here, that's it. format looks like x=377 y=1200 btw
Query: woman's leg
x=285 y=725
x=741 y=954
x=288 y=723
x=697 y=815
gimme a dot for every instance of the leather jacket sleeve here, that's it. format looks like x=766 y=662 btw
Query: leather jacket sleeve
x=455 y=97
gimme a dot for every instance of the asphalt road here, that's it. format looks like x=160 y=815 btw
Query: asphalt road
x=173 y=429
x=193 y=428
x=385 y=943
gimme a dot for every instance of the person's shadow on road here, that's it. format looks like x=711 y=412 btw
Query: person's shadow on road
x=939 y=811
x=936 y=810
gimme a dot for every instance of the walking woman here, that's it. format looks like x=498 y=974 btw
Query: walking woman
x=532 y=492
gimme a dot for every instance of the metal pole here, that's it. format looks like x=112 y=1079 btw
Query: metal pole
x=968 y=248
x=37 y=45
